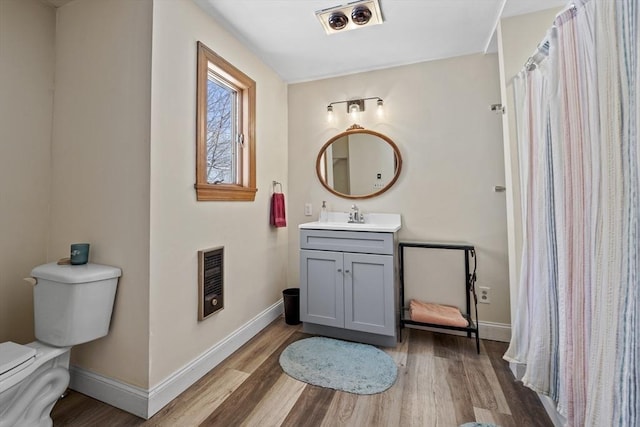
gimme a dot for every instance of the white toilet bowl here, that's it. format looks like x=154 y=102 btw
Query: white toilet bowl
x=32 y=379
x=72 y=305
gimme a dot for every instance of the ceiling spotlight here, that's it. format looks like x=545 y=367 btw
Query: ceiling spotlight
x=360 y=15
x=338 y=20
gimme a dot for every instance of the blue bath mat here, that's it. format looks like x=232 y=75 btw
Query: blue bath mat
x=340 y=365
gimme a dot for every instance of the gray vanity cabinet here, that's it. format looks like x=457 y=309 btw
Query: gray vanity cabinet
x=368 y=288
x=321 y=290
x=347 y=286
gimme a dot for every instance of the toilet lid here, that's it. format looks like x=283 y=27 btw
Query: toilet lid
x=13 y=355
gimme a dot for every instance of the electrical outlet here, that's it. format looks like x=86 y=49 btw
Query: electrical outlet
x=485 y=295
x=308 y=209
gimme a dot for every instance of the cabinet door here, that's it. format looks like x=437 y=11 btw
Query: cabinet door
x=321 y=288
x=369 y=293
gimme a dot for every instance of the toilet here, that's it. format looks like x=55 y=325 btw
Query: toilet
x=72 y=305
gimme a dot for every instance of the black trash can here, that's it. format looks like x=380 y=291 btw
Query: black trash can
x=291 y=299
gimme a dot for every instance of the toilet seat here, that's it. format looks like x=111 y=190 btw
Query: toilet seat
x=14 y=358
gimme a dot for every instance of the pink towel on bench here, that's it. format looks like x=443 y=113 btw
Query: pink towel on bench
x=277 y=217
x=440 y=314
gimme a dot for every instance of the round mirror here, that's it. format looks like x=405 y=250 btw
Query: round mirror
x=358 y=164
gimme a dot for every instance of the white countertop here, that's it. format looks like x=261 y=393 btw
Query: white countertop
x=380 y=222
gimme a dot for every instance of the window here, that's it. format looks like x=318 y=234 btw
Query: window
x=225 y=130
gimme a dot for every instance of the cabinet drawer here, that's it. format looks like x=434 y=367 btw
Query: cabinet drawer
x=347 y=241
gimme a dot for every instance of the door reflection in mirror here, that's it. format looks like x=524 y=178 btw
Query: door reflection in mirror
x=358 y=164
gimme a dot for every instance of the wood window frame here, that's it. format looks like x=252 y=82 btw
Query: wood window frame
x=245 y=189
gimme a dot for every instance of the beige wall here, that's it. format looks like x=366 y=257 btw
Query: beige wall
x=255 y=253
x=27 y=29
x=100 y=166
x=518 y=37
x=438 y=114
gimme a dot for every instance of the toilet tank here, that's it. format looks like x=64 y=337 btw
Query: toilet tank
x=73 y=303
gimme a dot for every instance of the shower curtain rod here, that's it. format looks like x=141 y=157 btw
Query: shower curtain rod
x=542 y=51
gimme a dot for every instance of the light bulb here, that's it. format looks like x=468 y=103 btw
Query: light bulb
x=354 y=112
x=360 y=15
x=330 y=113
x=380 y=109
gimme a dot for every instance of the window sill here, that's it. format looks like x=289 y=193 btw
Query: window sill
x=225 y=192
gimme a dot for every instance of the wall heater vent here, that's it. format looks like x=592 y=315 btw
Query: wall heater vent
x=210 y=281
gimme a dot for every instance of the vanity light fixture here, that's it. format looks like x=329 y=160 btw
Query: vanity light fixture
x=355 y=107
x=363 y=13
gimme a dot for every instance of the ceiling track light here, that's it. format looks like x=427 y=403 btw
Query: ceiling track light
x=355 y=107
x=362 y=13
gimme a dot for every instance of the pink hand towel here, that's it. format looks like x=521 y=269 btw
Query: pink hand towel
x=278 y=218
x=440 y=314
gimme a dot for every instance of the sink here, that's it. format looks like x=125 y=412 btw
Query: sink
x=381 y=222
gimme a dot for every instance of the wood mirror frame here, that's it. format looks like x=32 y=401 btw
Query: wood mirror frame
x=321 y=167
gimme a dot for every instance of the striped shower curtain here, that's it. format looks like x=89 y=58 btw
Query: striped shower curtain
x=577 y=326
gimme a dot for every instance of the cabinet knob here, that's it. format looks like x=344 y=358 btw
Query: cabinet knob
x=339 y=270
x=347 y=271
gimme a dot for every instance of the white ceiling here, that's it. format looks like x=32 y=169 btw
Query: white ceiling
x=287 y=35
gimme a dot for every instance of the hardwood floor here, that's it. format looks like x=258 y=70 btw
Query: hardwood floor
x=441 y=382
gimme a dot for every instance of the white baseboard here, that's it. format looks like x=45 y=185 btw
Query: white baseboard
x=145 y=403
x=182 y=379
x=116 y=393
x=495 y=331
x=549 y=406
x=488 y=331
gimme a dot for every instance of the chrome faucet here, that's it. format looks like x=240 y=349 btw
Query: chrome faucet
x=355 y=216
